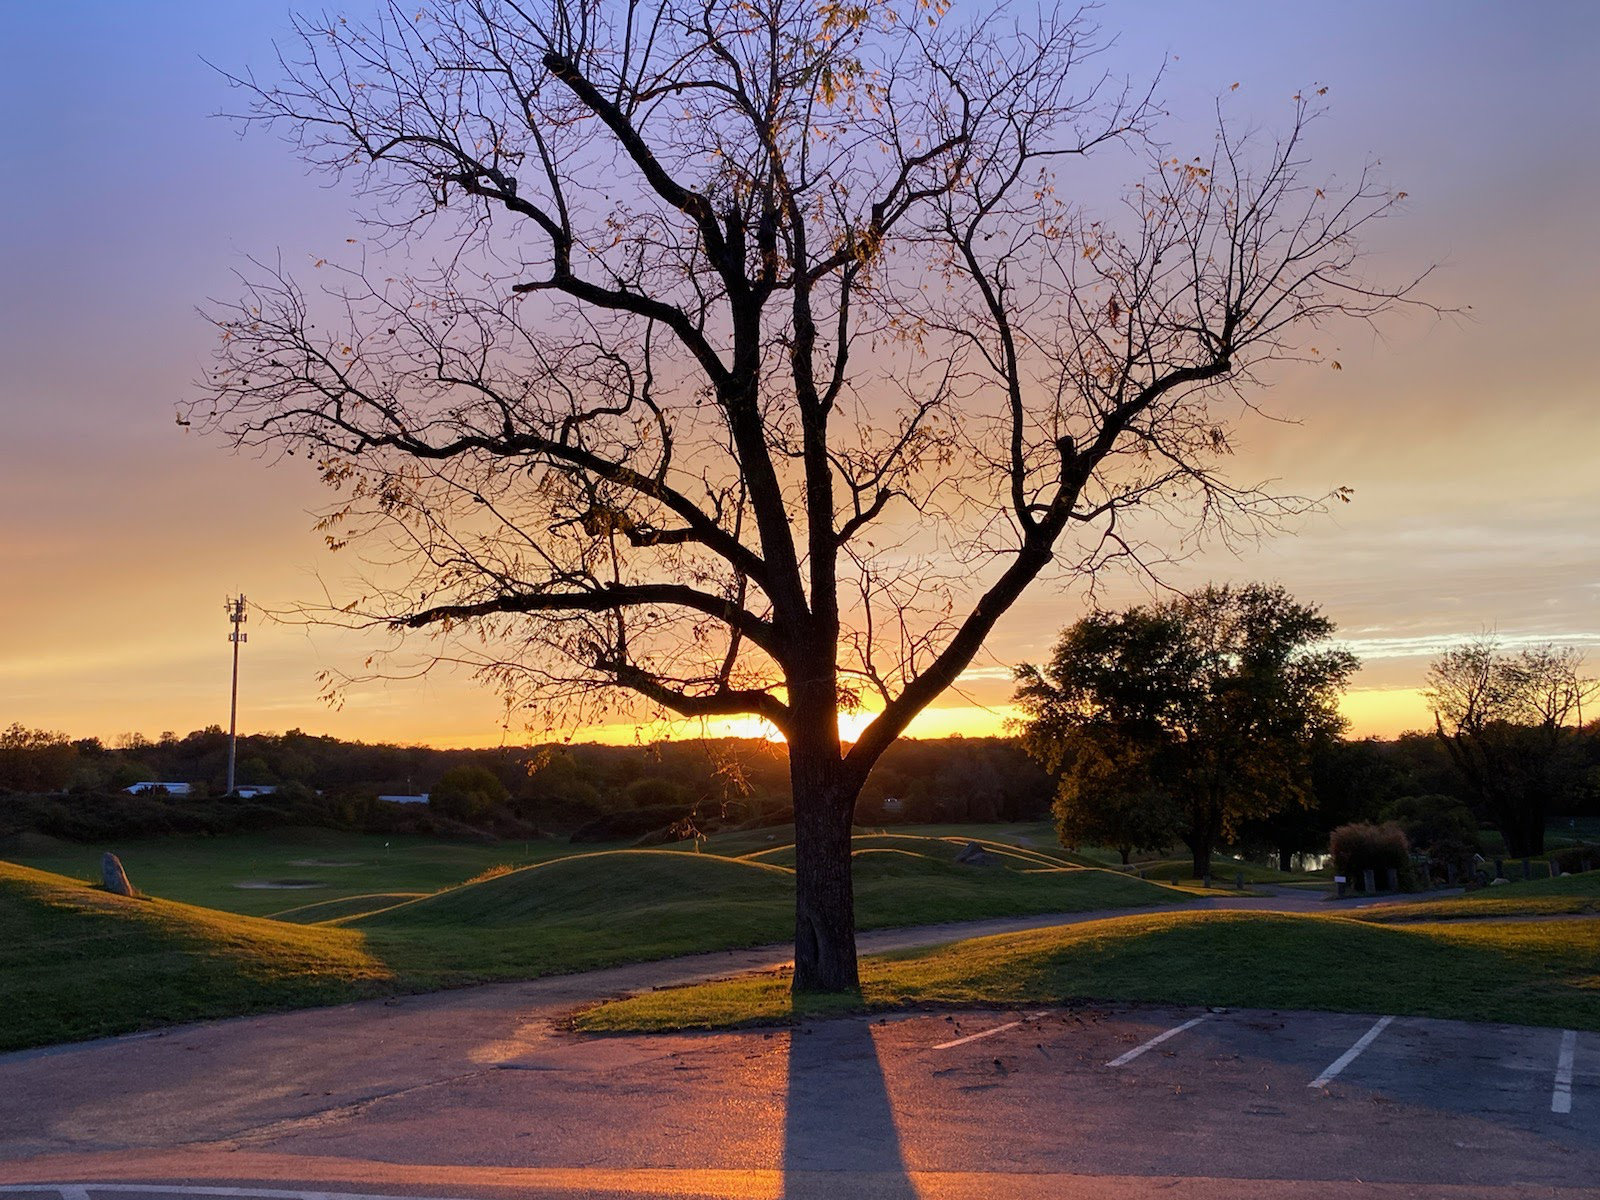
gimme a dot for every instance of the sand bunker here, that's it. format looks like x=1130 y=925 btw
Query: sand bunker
x=287 y=885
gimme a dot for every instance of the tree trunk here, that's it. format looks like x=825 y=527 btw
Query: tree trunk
x=1205 y=824
x=1521 y=821
x=824 y=897
x=1524 y=831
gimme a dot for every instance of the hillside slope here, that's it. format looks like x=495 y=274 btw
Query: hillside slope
x=77 y=962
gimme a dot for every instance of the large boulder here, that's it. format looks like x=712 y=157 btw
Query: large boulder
x=115 y=878
x=974 y=855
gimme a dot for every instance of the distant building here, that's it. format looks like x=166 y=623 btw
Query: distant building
x=150 y=787
x=422 y=799
x=246 y=793
x=893 y=804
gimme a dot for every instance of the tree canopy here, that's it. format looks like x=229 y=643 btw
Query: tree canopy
x=1204 y=709
x=1509 y=720
x=754 y=358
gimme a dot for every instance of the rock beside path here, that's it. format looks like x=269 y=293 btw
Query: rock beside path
x=114 y=877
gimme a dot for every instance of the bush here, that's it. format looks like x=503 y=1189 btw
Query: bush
x=631 y=823
x=468 y=794
x=1433 y=820
x=1363 y=847
x=1572 y=859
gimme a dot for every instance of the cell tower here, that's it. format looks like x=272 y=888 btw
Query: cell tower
x=237 y=615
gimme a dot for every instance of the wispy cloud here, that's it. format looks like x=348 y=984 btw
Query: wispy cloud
x=1433 y=645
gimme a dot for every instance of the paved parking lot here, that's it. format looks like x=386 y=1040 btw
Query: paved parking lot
x=1101 y=1101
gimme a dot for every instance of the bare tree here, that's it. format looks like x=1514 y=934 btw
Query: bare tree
x=747 y=358
x=1510 y=723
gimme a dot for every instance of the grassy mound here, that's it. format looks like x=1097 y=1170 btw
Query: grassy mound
x=209 y=870
x=1543 y=897
x=936 y=849
x=590 y=885
x=593 y=910
x=77 y=962
x=1545 y=973
x=178 y=962
x=344 y=906
x=582 y=912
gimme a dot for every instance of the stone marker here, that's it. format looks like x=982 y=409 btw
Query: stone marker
x=1393 y=879
x=1555 y=868
x=1369 y=881
x=1450 y=873
x=114 y=877
x=1238 y=881
x=973 y=855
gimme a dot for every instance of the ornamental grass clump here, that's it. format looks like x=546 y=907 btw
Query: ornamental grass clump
x=1365 y=847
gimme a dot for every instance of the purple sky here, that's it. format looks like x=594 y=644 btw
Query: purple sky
x=1472 y=444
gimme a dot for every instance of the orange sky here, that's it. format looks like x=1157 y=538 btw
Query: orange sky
x=1471 y=443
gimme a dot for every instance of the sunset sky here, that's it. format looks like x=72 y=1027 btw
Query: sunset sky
x=1472 y=442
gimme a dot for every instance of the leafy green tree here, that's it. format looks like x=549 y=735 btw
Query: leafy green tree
x=1213 y=703
x=468 y=793
x=35 y=760
x=1350 y=781
x=1107 y=793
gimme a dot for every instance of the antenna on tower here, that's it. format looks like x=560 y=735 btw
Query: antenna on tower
x=237 y=614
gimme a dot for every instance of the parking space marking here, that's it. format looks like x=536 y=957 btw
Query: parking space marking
x=1561 y=1097
x=973 y=1037
x=1350 y=1055
x=1124 y=1059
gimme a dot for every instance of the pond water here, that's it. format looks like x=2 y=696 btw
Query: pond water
x=1297 y=862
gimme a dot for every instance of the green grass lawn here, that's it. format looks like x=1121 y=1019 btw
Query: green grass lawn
x=1541 y=897
x=1037 y=835
x=1225 y=869
x=571 y=913
x=76 y=962
x=617 y=906
x=208 y=870
x=1525 y=972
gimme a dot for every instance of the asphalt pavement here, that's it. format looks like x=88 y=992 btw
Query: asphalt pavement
x=480 y=1093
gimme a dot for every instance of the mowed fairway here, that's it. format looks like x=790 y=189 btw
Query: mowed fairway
x=568 y=914
x=263 y=874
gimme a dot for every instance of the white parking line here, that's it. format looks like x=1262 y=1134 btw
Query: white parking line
x=1125 y=1059
x=972 y=1037
x=1350 y=1055
x=1561 y=1098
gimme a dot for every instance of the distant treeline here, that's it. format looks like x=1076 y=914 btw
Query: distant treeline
x=73 y=788
x=593 y=790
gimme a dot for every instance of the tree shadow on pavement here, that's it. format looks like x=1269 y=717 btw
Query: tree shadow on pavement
x=839 y=1117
